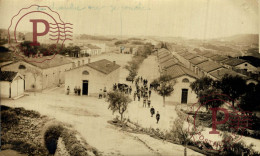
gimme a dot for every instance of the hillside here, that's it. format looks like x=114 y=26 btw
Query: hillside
x=243 y=38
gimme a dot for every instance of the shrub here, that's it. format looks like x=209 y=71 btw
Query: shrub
x=51 y=137
x=9 y=119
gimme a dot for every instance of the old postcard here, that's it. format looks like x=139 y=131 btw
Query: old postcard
x=129 y=77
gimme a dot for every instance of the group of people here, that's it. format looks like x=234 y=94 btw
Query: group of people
x=77 y=90
x=102 y=93
x=123 y=88
x=142 y=91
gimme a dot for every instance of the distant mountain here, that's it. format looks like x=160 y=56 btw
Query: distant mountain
x=243 y=38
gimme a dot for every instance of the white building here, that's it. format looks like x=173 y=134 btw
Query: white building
x=12 y=84
x=92 y=77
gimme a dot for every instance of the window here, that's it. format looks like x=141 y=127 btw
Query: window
x=246 y=64
x=85 y=72
x=22 y=67
x=185 y=80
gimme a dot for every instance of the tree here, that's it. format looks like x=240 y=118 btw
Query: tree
x=211 y=98
x=233 y=86
x=166 y=87
x=118 y=101
x=201 y=84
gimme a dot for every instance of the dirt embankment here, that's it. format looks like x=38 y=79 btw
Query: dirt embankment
x=29 y=133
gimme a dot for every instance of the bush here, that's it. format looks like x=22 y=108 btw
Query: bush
x=9 y=119
x=51 y=137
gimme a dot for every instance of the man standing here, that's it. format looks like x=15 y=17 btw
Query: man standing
x=144 y=102
x=157 y=117
x=134 y=95
x=68 y=90
x=100 y=94
x=149 y=103
x=152 y=111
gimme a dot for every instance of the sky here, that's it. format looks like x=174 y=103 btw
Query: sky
x=200 y=19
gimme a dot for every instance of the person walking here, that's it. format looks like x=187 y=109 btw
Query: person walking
x=105 y=92
x=134 y=95
x=157 y=117
x=144 y=102
x=138 y=95
x=100 y=94
x=79 y=91
x=68 y=90
x=130 y=90
x=149 y=103
x=152 y=111
x=150 y=92
x=75 y=90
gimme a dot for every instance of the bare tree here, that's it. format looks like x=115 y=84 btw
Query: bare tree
x=36 y=73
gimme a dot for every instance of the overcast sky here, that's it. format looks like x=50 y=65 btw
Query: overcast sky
x=186 y=18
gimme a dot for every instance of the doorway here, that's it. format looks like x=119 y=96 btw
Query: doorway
x=85 y=87
x=184 y=96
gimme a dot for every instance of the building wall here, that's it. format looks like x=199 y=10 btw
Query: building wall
x=29 y=77
x=177 y=93
x=96 y=80
x=5 y=86
x=46 y=78
x=17 y=87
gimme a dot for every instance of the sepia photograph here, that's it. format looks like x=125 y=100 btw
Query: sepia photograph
x=129 y=78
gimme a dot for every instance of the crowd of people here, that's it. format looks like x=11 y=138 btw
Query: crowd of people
x=145 y=92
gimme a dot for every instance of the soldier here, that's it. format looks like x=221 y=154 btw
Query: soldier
x=68 y=90
x=134 y=95
x=152 y=111
x=79 y=91
x=150 y=92
x=157 y=117
x=144 y=102
x=149 y=103
x=100 y=94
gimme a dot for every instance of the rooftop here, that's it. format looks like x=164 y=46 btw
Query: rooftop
x=7 y=75
x=234 y=61
x=219 y=58
x=164 y=55
x=169 y=63
x=209 y=66
x=218 y=74
x=90 y=46
x=103 y=66
x=197 y=60
x=209 y=55
x=50 y=61
x=190 y=56
x=164 y=59
x=178 y=70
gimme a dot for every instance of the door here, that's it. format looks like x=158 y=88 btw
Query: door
x=85 y=87
x=184 y=96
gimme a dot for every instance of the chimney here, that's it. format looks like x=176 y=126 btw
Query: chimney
x=88 y=60
x=114 y=63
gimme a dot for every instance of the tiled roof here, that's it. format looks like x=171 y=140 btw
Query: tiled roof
x=90 y=46
x=104 y=66
x=218 y=74
x=164 y=55
x=209 y=66
x=161 y=51
x=169 y=63
x=202 y=53
x=234 y=61
x=219 y=58
x=178 y=70
x=209 y=55
x=165 y=59
x=184 y=54
x=7 y=75
x=190 y=56
x=55 y=61
x=197 y=60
